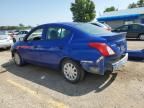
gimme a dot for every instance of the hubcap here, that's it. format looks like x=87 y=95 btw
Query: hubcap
x=70 y=71
x=142 y=37
x=16 y=58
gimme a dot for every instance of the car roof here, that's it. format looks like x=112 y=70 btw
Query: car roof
x=70 y=24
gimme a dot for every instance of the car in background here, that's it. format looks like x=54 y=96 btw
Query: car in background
x=19 y=35
x=73 y=48
x=5 y=40
x=136 y=54
x=103 y=25
x=132 y=30
x=16 y=32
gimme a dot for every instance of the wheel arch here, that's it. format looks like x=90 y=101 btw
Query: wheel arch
x=67 y=58
x=13 y=51
x=140 y=34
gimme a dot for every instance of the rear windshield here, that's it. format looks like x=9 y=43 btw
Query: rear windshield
x=91 y=29
x=99 y=24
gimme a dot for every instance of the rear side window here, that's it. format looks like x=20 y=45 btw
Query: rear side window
x=57 y=33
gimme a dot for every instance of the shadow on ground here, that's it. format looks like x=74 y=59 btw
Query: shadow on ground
x=55 y=81
x=2 y=50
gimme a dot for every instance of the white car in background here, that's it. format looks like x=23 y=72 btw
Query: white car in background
x=5 y=40
x=103 y=25
x=20 y=34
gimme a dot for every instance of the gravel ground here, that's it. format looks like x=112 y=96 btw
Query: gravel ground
x=38 y=87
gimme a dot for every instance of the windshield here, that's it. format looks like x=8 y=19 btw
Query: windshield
x=91 y=29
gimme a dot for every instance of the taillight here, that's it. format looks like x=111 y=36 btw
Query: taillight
x=103 y=48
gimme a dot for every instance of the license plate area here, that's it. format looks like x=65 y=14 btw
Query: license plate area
x=120 y=63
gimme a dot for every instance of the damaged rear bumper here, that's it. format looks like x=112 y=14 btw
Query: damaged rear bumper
x=101 y=65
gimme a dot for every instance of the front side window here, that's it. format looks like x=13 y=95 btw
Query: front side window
x=57 y=33
x=35 y=35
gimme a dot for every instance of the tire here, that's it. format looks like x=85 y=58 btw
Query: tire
x=141 y=36
x=17 y=59
x=72 y=71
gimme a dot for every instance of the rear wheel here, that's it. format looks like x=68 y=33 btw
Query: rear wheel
x=141 y=37
x=72 y=71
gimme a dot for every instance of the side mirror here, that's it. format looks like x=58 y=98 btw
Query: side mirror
x=21 y=39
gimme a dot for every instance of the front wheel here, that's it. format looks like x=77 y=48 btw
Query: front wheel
x=17 y=59
x=72 y=71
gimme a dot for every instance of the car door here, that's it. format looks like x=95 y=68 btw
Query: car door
x=55 y=45
x=134 y=31
x=31 y=45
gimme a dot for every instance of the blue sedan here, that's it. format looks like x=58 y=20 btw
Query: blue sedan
x=73 y=48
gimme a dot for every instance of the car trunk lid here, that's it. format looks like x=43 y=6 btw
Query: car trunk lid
x=117 y=41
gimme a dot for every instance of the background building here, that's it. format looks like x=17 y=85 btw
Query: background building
x=118 y=18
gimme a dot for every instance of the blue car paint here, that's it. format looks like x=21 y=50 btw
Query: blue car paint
x=50 y=53
x=136 y=54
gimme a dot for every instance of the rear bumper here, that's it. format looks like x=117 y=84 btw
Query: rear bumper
x=120 y=63
x=100 y=66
